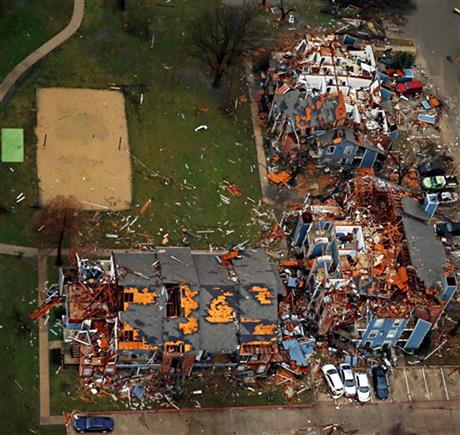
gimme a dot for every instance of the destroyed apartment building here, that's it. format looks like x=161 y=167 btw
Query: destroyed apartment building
x=371 y=271
x=324 y=102
x=171 y=309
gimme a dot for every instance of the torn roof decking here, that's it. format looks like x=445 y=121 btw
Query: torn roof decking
x=255 y=268
x=312 y=110
x=426 y=252
x=214 y=282
x=147 y=319
x=221 y=300
x=259 y=284
x=222 y=335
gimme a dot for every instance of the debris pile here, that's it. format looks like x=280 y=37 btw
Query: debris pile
x=368 y=269
x=325 y=105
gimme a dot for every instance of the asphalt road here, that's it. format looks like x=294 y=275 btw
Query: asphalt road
x=440 y=418
x=437 y=32
x=436 y=29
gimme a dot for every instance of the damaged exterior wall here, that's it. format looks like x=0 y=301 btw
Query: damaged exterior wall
x=325 y=99
x=375 y=267
x=172 y=304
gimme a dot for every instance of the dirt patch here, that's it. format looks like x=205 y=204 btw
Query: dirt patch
x=83 y=148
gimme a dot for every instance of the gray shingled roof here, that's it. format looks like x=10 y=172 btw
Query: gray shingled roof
x=291 y=104
x=140 y=262
x=425 y=250
x=205 y=275
x=209 y=272
x=413 y=208
x=148 y=319
x=177 y=265
x=255 y=268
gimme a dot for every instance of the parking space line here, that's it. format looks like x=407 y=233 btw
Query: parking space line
x=426 y=383
x=444 y=382
x=407 y=385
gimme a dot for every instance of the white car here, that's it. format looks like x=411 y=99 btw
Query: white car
x=363 y=388
x=333 y=380
x=348 y=380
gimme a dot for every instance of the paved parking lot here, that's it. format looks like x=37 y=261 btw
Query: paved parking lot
x=413 y=383
x=425 y=383
x=422 y=418
x=411 y=409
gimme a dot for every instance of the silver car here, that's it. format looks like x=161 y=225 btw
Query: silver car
x=363 y=387
x=333 y=380
x=346 y=374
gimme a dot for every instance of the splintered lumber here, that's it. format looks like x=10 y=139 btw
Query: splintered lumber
x=44 y=308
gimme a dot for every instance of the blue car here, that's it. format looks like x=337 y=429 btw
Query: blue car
x=87 y=424
x=381 y=386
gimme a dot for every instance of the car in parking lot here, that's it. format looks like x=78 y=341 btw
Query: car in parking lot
x=362 y=387
x=411 y=87
x=348 y=380
x=445 y=198
x=446 y=229
x=380 y=380
x=439 y=182
x=333 y=380
x=437 y=166
x=92 y=424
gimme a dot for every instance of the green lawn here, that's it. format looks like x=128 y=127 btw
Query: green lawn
x=113 y=48
x=19 y=344
x=65 y=395
x=217 y=391
x=27 y=24
x=177 y=98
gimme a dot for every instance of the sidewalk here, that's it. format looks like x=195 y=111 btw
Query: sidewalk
x=46 y=48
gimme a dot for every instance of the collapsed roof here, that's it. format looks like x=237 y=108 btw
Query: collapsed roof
x=376 y=256
x=319 y=83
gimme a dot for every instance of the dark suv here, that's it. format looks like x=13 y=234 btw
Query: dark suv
x=93 y=423
x=381 y=386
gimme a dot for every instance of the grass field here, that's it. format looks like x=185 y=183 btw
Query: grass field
x=25 y=26
x=114 y=49
x=177 y=97
x=217 y=390
x=19 y=344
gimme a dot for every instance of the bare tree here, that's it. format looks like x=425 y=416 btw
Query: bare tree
x=221 y=35
x=284 y=10
x=59 y=219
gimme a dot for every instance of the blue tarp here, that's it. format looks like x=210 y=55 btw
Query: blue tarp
x=384 y=77
x=138 y=391
x=409 y=73
x=426 y=104
x=408 y=76
x=300 y=352
x=385 y=93
x=349 y=40
x=427 y=118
